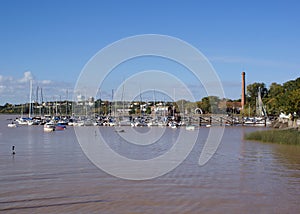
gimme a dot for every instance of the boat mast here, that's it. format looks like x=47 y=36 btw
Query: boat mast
x=174 y=104
x=22 y=111
x=42 y=103
x=141 y=103
x=164 y=112
x=67 y=103
x=154 y=103
x=111 y=103
x=182 y=108
x=30 y=93
x=249 y=110
x=123 y=99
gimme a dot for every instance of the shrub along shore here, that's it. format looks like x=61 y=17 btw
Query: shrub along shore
x=281 y=136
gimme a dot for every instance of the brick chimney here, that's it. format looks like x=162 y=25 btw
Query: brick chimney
x=243 y=90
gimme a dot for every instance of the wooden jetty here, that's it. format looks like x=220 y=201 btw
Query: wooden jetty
x=222 y=120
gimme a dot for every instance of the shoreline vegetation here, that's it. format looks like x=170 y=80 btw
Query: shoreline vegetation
x=289 y=136
x=277 y=98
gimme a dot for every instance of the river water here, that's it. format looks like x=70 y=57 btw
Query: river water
x=50 y=174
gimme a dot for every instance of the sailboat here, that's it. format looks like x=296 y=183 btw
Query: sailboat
x=30 y=121
x=26 y=120
x=261 y=114
x=22 y=120
x=260 y=108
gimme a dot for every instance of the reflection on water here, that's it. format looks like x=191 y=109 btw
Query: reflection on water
x=50 y=174
x=288 y=155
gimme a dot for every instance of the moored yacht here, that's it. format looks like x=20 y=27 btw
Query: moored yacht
x=49 y=127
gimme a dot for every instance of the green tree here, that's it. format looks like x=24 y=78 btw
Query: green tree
x=209 y=104
x=148 y=110
x=132 y=111
x=292 y=101
x=274 y=101
x=292 y=85
x=252 y=92
x=275 y=90
x=284 y=97
x=204 y=105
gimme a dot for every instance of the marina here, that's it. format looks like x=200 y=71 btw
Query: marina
x=196 y=121
x=149 y=107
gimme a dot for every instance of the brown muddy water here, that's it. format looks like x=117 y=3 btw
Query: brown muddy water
x=50 y=174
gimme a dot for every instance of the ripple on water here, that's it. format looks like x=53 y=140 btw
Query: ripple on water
x=50 y=174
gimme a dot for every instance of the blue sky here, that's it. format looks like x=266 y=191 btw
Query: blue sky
x=51 y=41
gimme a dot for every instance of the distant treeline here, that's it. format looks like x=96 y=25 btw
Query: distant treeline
x=277 y=98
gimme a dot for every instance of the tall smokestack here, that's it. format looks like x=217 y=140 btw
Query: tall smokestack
x=243 y=90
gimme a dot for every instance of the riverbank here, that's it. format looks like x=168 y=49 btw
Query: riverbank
x=281 y=136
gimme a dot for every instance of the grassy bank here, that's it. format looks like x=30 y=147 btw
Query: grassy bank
x=290 y=136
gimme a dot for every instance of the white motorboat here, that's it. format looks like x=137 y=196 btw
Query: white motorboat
x=190 y=127
x=49 y=127
x=12 y=125
x=22 y=121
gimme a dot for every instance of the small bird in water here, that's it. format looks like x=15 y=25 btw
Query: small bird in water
x=13 y=150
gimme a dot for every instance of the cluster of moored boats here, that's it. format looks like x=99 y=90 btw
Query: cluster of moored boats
x=50 y=124
x=58 y=123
